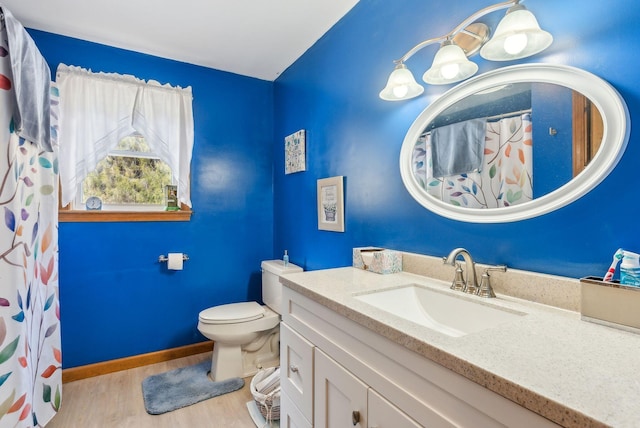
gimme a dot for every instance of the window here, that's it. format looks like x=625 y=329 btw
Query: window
x=130 y=183
x=130 y=178
x=122 y=140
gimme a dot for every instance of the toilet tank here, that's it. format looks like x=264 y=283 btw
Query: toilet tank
x=271 y=286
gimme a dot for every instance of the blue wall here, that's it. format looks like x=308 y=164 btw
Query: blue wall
x=332 y=92
x=116 y=299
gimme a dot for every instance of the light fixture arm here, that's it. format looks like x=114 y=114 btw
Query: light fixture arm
x=418 y=47
x=459 y=28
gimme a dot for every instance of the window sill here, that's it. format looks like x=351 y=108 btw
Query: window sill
x=81 y=216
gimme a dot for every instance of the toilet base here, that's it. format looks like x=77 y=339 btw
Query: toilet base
x=230 y=361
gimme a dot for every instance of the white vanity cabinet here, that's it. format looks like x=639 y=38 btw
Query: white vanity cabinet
x=311 y=379
x=336 y=371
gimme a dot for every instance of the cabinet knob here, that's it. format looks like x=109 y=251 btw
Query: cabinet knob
x=355 y=417
x=293 y=368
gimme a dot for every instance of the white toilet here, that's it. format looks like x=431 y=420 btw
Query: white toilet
x=246 y=334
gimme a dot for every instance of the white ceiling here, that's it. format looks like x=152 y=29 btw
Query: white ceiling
x=257 y=38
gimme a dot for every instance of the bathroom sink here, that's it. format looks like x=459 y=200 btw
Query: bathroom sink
x=449 y=314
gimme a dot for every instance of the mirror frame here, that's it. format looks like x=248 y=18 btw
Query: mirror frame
x=612 y=107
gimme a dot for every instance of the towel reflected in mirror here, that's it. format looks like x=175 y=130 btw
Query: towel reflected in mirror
x=458 y=148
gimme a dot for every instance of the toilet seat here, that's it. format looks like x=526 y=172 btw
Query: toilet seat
x=232 y=313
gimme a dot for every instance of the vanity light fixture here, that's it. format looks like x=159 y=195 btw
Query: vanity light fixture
x=517 y=35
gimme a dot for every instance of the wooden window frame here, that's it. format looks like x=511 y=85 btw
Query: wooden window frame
x=588 y=131
x=68 y=215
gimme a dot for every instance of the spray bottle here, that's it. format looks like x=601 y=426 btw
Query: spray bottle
x=630 y=269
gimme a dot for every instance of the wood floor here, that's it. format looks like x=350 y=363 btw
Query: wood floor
x=115 y=400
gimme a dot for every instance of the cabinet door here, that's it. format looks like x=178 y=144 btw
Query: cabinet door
x=290 y=416
x=383 y=414
x=296 y=369
x=340 y=397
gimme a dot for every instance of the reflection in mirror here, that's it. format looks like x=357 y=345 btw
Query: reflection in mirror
x=588 y=130
x=519 y=148
x=515 y=140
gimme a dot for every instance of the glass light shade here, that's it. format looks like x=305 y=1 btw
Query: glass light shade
x=518 y=35
x=401 y=85
x=449 y=65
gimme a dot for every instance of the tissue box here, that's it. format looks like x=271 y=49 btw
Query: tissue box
x=377 y=260
x=610 y=303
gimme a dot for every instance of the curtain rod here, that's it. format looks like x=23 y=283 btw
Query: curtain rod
x=505 y=115
x=488 y=118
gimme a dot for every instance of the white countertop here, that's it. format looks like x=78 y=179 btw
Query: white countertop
x=573 y=372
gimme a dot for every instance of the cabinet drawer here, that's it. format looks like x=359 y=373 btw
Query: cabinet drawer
x=296 y=369
x=290 y=416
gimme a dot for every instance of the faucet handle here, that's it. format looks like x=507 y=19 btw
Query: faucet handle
x=458 y=281
x=485 y=289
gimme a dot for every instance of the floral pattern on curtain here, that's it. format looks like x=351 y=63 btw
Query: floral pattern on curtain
x=506 y=177
x=30 y=345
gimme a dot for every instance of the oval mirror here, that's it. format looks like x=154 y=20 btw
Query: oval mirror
x=514 y=143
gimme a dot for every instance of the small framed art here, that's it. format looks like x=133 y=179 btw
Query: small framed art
x=331 y=204
x=295 y=152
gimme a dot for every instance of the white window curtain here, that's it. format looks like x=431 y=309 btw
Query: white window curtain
x=97 y=110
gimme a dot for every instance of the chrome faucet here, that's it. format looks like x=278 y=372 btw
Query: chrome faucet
x=471 y=282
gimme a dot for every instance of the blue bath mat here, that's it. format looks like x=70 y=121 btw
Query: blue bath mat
x=183 y=387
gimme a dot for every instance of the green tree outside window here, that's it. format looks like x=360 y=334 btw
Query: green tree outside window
x=130 y=175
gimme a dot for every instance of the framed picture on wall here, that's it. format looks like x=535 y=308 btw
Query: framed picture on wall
x=331 y=204
x=295 y=152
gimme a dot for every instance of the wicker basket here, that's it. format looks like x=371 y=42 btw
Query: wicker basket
x=268 y=404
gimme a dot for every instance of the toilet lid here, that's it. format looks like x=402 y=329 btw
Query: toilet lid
x=232 y=313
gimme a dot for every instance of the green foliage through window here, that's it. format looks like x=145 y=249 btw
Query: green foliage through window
x=130 y=175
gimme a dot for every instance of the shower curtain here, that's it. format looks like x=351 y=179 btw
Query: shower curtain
x=505 y=177
x=30 y=351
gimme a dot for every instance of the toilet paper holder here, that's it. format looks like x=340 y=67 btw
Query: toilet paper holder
x=163 y=259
